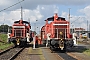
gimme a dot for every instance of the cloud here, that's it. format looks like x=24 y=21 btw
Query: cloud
x=76 y=21
x=33 y=14
x=60 y=2
x=12 y=16
x=41 y=10
x=79 y=22
x=65 y=15
x=46 y=11
x=40 y=13
x=4 y=2
x=32 y=4
x=86 y=11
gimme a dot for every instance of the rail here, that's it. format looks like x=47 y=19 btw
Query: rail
x=10 y=54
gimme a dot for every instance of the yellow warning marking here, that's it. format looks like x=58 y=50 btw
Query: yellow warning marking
x=18 y=42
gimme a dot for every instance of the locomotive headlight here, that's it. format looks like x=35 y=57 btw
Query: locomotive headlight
x=61 y=39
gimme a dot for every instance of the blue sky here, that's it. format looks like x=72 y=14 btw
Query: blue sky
x=42 y=9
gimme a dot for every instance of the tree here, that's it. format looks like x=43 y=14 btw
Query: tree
x=4 y=28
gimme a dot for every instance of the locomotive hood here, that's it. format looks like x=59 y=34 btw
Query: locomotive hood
x=22 y=22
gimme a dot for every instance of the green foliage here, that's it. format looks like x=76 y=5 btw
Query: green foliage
x=3 y=42
x=3 y=37
x=4 y=28
x=87 y=52
x=4 y=46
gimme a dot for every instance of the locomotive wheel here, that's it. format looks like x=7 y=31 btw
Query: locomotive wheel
x=15 y=44
x=9 y=41
x=51 y=48
x=23 y=44
x=64 y=50
x=36 y=44
x=44 y=42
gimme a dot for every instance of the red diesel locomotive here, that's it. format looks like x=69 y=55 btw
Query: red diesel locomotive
x=56 y=32
x=20 y=33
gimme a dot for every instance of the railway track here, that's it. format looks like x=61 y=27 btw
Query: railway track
x=65 y=56
x=69 y=55
x=2 y=52
x=10 y=54
x=56 y=55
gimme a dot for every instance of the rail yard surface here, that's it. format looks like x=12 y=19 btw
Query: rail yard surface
x=41 y=53
x=10 y=54
x=44 y=53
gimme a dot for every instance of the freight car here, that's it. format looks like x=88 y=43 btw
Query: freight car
x=56 y=33
x=20 y=34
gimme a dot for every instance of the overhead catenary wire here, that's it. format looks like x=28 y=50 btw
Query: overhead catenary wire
x=75 y=20
x=11 y=6
x=20 y=3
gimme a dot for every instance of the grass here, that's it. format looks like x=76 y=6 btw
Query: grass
x=3 y=37
x=87 y=52
x=4 y=46
x=3 y=42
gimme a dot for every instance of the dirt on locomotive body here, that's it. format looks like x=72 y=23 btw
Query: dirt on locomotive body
x=56 y=33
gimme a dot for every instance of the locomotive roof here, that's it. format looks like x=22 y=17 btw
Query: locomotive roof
x=52 y=18
x=22 y=22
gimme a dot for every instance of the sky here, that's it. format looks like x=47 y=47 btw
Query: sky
x=42 y=9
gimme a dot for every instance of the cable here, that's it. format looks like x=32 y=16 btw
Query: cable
x=20 y=3
x=75 y=20
x=11 y=6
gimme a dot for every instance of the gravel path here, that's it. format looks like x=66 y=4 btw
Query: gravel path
x=44 y=53
x=77 y=52
x=23 y=55
x=50 y=56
